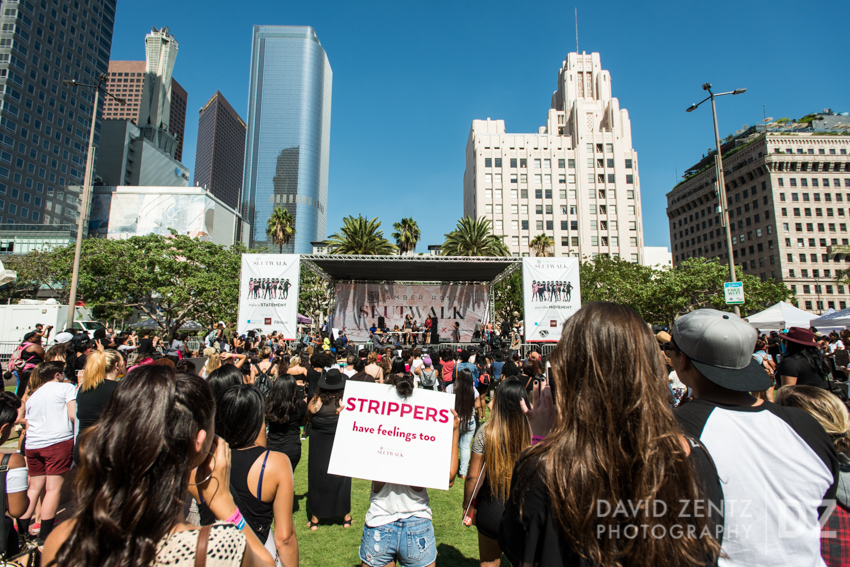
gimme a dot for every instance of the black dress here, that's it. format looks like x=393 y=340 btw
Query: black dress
x=328 y=495
x=286 y=437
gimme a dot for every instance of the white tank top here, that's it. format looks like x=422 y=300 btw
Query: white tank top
x=397 y=502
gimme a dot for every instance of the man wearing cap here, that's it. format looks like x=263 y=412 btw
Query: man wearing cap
x=776 y=464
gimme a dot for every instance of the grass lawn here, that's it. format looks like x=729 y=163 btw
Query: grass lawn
x=334 y=546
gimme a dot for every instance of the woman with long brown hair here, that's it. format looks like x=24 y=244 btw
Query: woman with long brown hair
x=495 y=449
x=155 y=439
x=606 y=485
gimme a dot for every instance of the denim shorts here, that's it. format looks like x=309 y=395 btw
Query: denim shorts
x=410 y=542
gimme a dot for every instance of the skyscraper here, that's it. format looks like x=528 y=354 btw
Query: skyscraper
x=220 y=153
x=150 y=92
x=575 y=180
x=44 y=126
x=288 y=138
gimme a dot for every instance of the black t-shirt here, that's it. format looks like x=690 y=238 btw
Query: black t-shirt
x=286 y=436
x=145 y=346
x=90 y=403
x=312 y=381
x=796 y=365
x=534 y=536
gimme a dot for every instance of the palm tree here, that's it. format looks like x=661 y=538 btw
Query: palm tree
x=474 y=237
x=406 y=236
x=281 y=227
x=542 y=245
x=360 y=236
x=841 y=276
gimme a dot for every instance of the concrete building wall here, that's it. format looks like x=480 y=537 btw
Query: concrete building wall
x=789 y=204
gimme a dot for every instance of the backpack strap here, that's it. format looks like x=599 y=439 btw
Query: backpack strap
x=201 y=549
x=262 y=472
x=4 y=469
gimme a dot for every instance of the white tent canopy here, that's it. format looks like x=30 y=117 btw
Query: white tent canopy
x=781 y=316
x=835 y=320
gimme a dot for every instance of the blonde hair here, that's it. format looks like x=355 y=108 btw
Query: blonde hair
x=373 y=357
x=98 y=365
x=213 y=362
x=824 y=406
x=265 y=352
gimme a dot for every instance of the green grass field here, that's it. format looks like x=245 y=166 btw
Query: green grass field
x=334 y=546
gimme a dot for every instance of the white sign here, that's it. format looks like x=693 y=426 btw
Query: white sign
x=734 y=292
x=551 y=295
x=268 y=294
x=384 y=437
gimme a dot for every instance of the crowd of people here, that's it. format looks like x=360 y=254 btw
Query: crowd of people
x=705 y=444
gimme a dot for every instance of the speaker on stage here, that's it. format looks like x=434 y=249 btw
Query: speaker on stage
x=435 y=334
x=381 y=323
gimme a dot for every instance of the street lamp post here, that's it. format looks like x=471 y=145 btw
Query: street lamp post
x=721 y=184
x=84 y=198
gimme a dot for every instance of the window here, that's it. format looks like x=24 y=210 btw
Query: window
x=498 y=162
x=513 y=162
x=630 y=179
x=628 y=164
x=540 y=225
x=488 y=162
x=562 y=163
x=536 y=163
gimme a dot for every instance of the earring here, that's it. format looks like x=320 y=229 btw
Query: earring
x=209 y=476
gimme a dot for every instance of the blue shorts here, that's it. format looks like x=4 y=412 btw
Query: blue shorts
x=410 y=542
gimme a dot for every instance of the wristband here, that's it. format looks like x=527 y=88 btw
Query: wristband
x=241 y=525
x=535 y=439
x=235 y=518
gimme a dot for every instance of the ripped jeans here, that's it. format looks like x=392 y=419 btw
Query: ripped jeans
x=410 y=542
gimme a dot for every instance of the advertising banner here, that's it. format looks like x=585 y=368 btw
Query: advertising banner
x=358 y=306
x=551 y=295
x=268 y=294
x=383 y=437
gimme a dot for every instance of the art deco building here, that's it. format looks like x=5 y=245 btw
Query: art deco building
x=575 y=180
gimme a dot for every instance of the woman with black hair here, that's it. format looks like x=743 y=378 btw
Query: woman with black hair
x=465 y=396
x=328 y=496
x=803 y=363
x=398 y=526
x=17 y=500
x=155 y=440
x=260 y=479
x=286 y=412
x=223 y=378
x=32 y=354
x=397 y=369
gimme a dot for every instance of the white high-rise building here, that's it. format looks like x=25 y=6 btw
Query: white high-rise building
x=160 y=56
x=575 y=180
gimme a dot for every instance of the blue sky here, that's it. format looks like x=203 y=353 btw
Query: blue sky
x=409 y=78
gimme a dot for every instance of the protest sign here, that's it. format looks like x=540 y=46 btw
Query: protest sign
x=381 y=436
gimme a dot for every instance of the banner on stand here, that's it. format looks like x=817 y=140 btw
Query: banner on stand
x=268 y=294
x=551 y=295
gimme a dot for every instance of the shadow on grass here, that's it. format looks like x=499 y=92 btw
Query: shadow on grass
x=449 y=556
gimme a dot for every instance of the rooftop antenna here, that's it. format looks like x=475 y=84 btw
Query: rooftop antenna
x=763 y=113
x=576 y=18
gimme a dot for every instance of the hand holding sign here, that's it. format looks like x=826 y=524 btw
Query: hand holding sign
x=384 y=437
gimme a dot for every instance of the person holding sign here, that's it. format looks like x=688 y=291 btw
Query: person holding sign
x=398 y=524
x=328 y=495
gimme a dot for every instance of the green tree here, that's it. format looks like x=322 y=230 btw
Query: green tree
x=406 y=235
x=281 y=227
x=542 y=245
x=36 y=271
x=507 y=297
x=314 y=294
x=360 y=236
x=474 y=237
x=842 y=276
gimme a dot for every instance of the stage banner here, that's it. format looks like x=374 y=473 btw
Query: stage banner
x=358 y=306
x=550 y=291
x=268 y=294
x=383 y=437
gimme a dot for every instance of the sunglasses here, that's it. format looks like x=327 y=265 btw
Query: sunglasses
x=669 y=347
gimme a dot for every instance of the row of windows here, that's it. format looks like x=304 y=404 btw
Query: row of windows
x=821 y=151
x=546 y=179
x=810 y=227
x=813 y=242
x=562 y=194
x=807 y=212
x=804 y=182
x=609 y=148
x=546 y=163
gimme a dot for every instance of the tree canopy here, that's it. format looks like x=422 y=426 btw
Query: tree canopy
x=406 y=235
x=281 y=227
x=474 y=237
x=360 y=236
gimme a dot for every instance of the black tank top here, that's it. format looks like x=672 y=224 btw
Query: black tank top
x=257 y=513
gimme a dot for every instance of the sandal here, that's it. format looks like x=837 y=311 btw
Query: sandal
x=346 y=523
x=313 y=525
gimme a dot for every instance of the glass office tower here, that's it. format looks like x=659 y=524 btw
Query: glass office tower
x=288 y=139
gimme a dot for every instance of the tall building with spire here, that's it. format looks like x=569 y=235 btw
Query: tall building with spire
x=288 y=139
x=160 y=56
x=575 y=180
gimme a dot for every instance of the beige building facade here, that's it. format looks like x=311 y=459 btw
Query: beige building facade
x=576 y=180
x=788 y=192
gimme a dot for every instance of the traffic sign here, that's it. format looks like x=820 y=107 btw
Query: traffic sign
x=734 y=292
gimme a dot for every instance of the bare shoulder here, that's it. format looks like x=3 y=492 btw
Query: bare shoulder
x=55 y=540
x=16 y=461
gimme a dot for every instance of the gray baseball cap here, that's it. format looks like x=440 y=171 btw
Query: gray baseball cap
x=720 y=345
